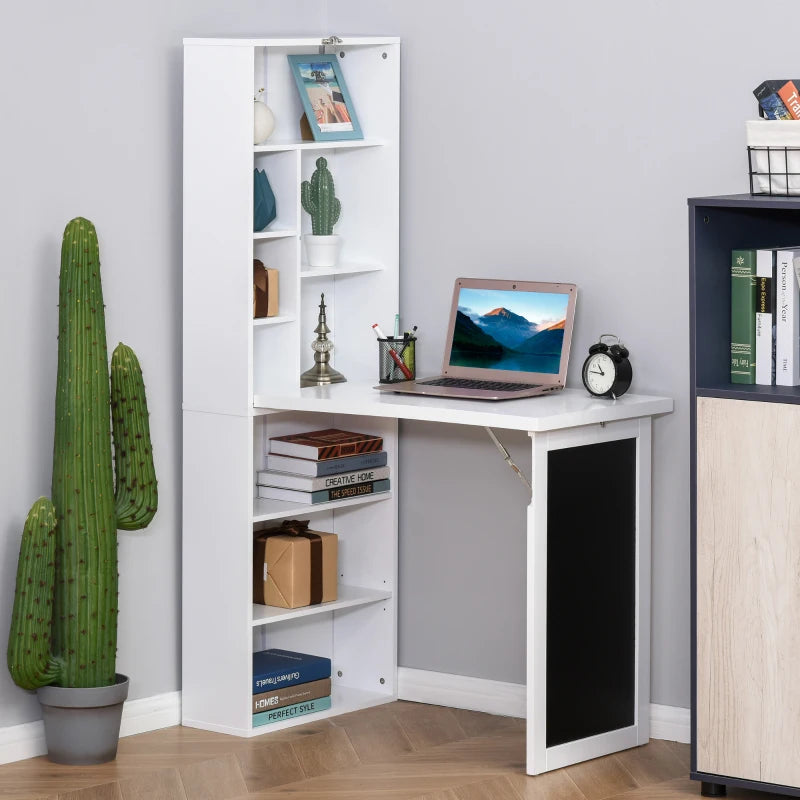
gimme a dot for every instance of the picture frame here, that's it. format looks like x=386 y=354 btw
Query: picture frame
x=326 y=100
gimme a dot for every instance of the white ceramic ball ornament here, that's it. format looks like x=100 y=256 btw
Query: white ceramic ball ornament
x=264 y=122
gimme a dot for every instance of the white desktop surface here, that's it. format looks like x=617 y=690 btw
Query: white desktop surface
x=566 y=409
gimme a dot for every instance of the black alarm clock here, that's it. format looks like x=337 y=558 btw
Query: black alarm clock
x=607 y=371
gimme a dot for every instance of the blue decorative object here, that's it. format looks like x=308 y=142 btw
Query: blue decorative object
x=264 y=210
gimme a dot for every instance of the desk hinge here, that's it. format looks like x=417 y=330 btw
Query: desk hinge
x=507 y=458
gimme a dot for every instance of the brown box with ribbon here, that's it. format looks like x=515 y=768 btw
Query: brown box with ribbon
x=265 y=290
x=294 y=566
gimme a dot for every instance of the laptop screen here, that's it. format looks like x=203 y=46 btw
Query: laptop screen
x=513 y=331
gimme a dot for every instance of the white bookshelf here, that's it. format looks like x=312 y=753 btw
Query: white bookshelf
x=229 y=358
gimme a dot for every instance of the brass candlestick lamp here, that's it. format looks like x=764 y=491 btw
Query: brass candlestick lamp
x=322 y=373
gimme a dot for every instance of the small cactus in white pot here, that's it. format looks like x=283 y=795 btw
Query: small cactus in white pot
x=321 y=204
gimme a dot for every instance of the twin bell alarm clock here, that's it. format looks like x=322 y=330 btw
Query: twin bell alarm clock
x=607 y=371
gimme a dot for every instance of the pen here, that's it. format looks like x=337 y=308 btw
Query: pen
x=397 y=326
x=408 y=336
x=393 y=353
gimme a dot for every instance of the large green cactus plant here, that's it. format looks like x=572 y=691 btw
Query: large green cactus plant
x=64 y=622
x=317 y=196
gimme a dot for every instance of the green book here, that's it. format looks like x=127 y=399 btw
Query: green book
x=290 y=712
x=743 y=316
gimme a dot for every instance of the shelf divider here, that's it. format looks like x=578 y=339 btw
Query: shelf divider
x=279 y=320
x=348 y=597
x=341 y=269
x=769 y=394
x=264 y=510
x=345 y=144
x=278 y=234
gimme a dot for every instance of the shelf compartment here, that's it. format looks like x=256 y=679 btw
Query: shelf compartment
x=349 y=597
x=279 y=320
x=265 y=510
x=345 y=144
x=343 y=701
x=342 y=269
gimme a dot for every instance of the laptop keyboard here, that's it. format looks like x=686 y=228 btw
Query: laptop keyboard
x=468 y=383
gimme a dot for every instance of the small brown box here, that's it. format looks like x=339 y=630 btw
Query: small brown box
x=294 y=566
x=265 y=290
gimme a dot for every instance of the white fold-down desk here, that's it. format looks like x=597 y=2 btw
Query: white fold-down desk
x=588 y=554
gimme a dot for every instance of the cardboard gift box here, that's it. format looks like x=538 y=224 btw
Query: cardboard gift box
x=294 y=566
x=265 y=290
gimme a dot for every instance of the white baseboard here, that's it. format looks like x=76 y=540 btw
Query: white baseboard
x=508 y=699
x=147 y=714
x=461 y=691
x=670 y=722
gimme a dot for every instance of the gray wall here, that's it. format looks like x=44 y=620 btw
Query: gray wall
x=556 y=142
x=92 y=126
x=549 y=141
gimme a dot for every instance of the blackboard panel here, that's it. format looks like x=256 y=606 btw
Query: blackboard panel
x=591 y=574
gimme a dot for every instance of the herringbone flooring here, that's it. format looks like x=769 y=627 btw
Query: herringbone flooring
x=401 y=751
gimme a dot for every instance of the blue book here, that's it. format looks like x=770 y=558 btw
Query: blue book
x=274 y=669
x=289 y=712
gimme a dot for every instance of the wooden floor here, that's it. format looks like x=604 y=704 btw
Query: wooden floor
x=399 y=751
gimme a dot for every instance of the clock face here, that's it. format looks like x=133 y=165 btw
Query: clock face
x=599 y=373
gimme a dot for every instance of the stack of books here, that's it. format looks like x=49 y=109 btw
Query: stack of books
x=321 y=466
x=765 y=316
x=778 y=99
x=288 y=684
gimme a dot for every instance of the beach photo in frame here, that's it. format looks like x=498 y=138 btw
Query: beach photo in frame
x=326 y=101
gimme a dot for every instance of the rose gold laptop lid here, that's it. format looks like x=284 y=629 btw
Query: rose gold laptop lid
x=504 y=331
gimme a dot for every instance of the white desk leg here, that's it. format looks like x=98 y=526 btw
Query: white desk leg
x=538 y=757
x=643 y=566
x=537 y=609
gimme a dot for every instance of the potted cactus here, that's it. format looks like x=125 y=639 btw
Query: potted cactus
x=320 y=203
x=63 y=636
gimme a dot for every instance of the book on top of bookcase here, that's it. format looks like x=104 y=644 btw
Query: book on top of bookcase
x=290 y=695
x=277 y=668
x=765 y=317
x=307 y=483
x=325 y=444
x=288 y=712
x=743 y=312
x=323 y=495
x=787 y=326
x=333 y=466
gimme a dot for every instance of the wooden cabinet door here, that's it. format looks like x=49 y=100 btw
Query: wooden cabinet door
x=748 y=590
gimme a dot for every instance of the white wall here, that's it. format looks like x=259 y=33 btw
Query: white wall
x=92 y=96
x=557 y=141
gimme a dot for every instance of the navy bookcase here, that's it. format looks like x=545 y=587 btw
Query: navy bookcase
x=718 y=225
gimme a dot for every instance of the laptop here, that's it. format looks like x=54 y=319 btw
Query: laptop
x=505 y=339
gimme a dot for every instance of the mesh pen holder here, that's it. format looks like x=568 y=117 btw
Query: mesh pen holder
x=392 y=353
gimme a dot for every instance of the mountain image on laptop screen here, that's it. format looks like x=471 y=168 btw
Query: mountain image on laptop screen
x=520 y=331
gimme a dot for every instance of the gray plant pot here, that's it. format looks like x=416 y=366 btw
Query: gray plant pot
x=81 y=726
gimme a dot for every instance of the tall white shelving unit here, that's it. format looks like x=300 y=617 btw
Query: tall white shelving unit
x=229 y=357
